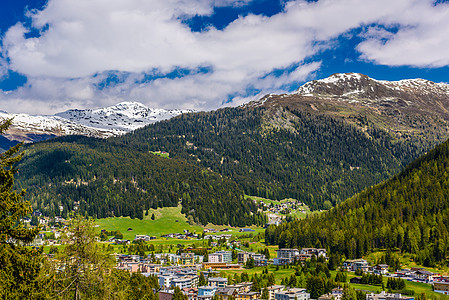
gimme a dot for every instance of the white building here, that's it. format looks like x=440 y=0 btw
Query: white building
x=292 y=294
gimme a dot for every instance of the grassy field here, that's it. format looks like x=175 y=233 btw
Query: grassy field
x=161 y=154
x=167 y=220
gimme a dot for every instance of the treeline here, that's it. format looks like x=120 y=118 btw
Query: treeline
x=106 y=180
x=280 y=153
x=408 y=213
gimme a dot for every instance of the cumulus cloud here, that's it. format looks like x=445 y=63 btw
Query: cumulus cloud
x=80 y=41
x=421 y=39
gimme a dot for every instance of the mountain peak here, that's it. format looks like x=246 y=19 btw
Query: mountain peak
x=355 y=85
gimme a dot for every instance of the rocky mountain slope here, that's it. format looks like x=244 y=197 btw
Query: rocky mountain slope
x=102 y=122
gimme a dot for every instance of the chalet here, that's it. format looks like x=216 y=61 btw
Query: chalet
x=441 y=287
x=380 y=269
x=227 y=292
x=423 y=275
x=191 y=293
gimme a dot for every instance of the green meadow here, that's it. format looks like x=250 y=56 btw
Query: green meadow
x=167 y=220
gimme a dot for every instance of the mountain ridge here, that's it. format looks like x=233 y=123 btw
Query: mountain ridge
x=104 y=122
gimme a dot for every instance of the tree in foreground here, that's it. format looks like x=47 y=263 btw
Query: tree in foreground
x=19 y=266
x=82 y=269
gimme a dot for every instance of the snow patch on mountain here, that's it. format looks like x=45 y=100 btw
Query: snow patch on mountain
x=352 y=85
x=125 y=116
x=102 y=122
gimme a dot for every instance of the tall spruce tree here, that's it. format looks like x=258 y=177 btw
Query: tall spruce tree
x=19 y=266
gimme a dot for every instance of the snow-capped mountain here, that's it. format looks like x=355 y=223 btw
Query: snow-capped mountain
x=353 y=86
x=102 y=122
x=122 y=118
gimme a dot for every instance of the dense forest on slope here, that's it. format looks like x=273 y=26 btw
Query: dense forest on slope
x=280 y=153
x=108 y=180
x=409 y=212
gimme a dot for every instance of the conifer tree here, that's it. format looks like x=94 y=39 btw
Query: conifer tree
x=19 y=266
x=83 y=266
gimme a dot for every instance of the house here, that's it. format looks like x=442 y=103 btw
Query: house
x=441 y=287
x=247 y=296
x=386 y=296
x=191 y=293
x=227 y=292
x=356 y=265
x=380 y=269
x=246 y=230
x=423 y=275
x=207 y=291
x=314 y=251
x=292 y=294
x=217 y=282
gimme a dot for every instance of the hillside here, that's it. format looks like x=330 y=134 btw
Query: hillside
x=409 y=212
x=320 y=145
x=105 y=180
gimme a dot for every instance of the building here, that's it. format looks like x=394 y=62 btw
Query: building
x=380 y=269
x=314 y=251
x=206 y=291
x=213 y=265
x=356 y=265
x=227 y=292
x=185 y=282
x=273 y=290
x=247 y=296
x=292 y=294
x=285 y=256
x=221 y=257
x=424 y=275
x=164 y=280
x=259 y=259
x=386 y=296
x=217 y=281
x=242 y=257
x=187 y=259
x=191 y=293
x=441 y=287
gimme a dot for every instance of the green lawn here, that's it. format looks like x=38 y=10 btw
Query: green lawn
x=164 y=223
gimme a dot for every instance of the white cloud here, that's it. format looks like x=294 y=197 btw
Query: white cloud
x=422 y=39
x=85 y=37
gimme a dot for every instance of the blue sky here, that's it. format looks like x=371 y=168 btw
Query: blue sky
x=203 y=54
